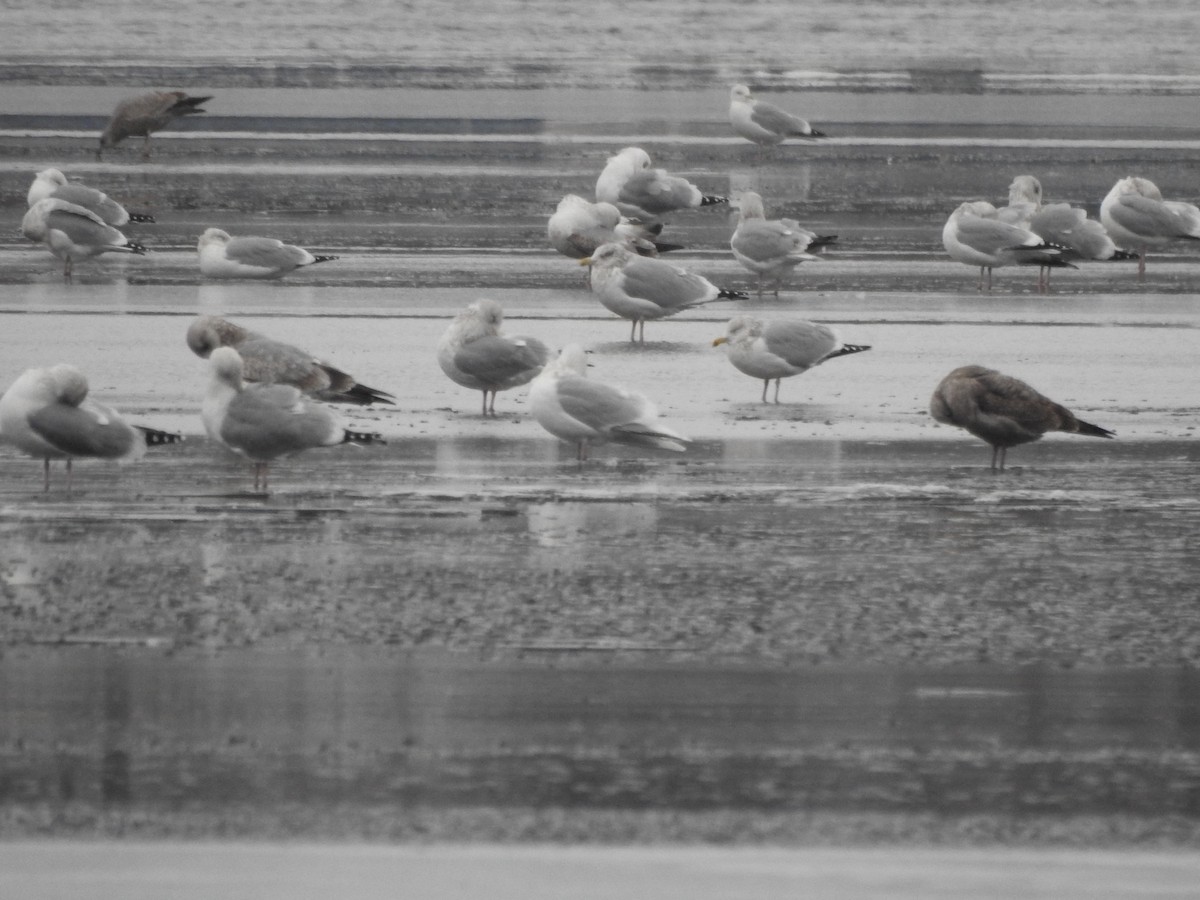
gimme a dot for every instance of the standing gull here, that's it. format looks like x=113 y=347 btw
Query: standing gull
x=142 y=115
x=637 y=288
x=73 y=233
x=263 y=422
x=764 y=123
x=271 y=361
x=771 y=247
x=47 y=414
x=1060 y=224
x=974 y=236
x=780 y=348
x=1137 y=217
x=472 y=352
x=644 y=193
x=223 y=256
x=583 y=412
x=579 y=226
x=53 y=183
x=1001 y=410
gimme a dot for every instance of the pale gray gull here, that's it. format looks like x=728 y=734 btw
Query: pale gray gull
x=637 y=288
x=579 y=226
x=224 y=256
x=47 y=413
x=975 y=236
x=764 y=123
x=73 y=233
x=583 y=412
x=1002 y=411
x=1137 y=217
x=263 y=422
x=53 y=183
x=473 y=352
x=771 y=247
x=630 y=183
x=780 y=348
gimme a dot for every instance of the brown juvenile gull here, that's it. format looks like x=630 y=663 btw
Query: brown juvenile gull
x=472 y=352
x=765 y=123
x=223 y=256
x=975 y=236
x=1060 y=224
x=584 y=412
x=263 y=422
x=142 y=115
x=1137 y=217
x=47 y=413
x=271 y=361
x=53 y=183
x=73 y=233
x=637 y=288
x=579 y=226
x=1001 y=410
x=771 y=247
x=644 y=193
x=780 y=348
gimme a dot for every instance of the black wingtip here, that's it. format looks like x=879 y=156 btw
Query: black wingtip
x=320 y=259
x=135 y=247
x=712 y=200
x=142 y=218
x=816 y=134
x=725 y=294
x=1122 y=256
x=156 y=438
x=362 y=437
x=365 y=396
x=847 y=349
x=822 y=240
x=667 y=248
x=1094 y=430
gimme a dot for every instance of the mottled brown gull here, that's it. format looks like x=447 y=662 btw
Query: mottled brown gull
x=1002 y=411
x=144 y=114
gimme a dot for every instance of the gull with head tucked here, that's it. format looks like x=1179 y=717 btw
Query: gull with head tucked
x=1137 y=217
x=639 y=191
x=74 y=233
x=224 y=256
x=764 y=123
x=53 y=183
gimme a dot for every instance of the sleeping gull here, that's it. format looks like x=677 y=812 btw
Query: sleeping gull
x=975 y=236
x=764 y=123
x=646 y=194
x=579 y=226
x=47 y=414
x=472 y=352
x=1060 y=224
x=265 y=421
x=223 y=256
x=780 y=348
x=637 y=288
x=144 y=114
x=73 y=233
x=267 y=360
x=1137 y=217
x=583 y=412
x=1001 y=410
x=53 y=183
x=771 y=246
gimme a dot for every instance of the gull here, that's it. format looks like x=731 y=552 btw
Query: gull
x=1137 y=217
x=764 y=123
x=223 y=256
x=646 y=194
x=47 y=413
x=583 y=412
x=271 y=361
x=1001 y=410
x=73 y=233
x=144 y=114
x=1060 y=224
x=472 y=352
x=263 y=422
x=771 y=246
x=975 y=236
x=53 y=183
x=780 y=348
x=579 y=226
x=637 y=288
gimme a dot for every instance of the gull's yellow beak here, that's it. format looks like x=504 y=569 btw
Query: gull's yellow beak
x=586 y=261
x=719 y=341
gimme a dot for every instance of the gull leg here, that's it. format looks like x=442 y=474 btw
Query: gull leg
x=777 y=381
x=1141 y=263
x=46 y=475
x=68 y=474
x=146 y=147
x=766 y=384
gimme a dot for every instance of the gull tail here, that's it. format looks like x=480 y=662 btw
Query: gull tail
x=142 y=218
x=847 y=349
x=1122 y=255
x=724 y=294
x=712 y=200
x=317 y=259
x=639 y=434
x=362 y=437
x=186 y=106
x=1082 y=427
x=822 y=240
x=135 y=247
x=365 y=396
x=813 y=133
x=156 y=438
